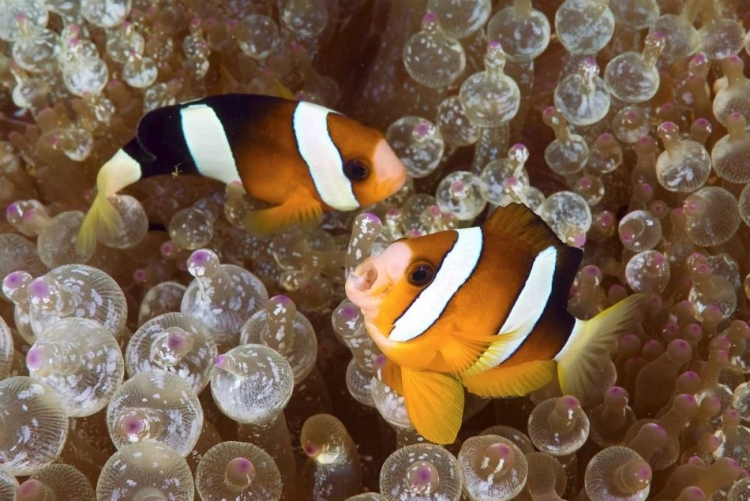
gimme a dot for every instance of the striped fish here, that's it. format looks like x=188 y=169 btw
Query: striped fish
x=483 y=308
x=300 y=157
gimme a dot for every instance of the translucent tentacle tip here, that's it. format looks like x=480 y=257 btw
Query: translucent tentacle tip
x=519 y=153
x=380 y=361
x=281 y=301
x=422 y=478
x=496 y=458
x=132 y=425
x=311 y=448
x=368 y=219
x=31 y=489
x=12 y=210
x=140 y=276
x=39 y=289
x=15 y=282
x=240 y=472
x=634 y=476
x=679 y=351
x=692 y=493
x=176 y=340
x=349 y=313
x=568 y=406
x=429 y=20
x=203 y=262
x=221 y=361
x=589 y=68
x=654 y=433
x=616 y=397
x=35 y=358
x=704 y=123
x=168 y=249
x=422 y=129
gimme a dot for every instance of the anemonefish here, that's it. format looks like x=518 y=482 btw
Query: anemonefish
x=483 y=308
x=300 y=157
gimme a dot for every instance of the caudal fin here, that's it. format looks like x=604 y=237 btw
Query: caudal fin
x=102 y=219
x=579 y=361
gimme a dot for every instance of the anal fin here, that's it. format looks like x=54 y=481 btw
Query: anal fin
x=514 y=381
x=434 y=403
x=299 y=208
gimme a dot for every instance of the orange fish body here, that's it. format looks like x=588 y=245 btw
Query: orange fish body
x=483 y=308
x=300 y=157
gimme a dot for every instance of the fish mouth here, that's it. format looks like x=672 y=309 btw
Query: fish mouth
x=365 y=287
x=367 y=279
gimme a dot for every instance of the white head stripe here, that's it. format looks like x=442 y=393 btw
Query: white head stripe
x=457 y=267
x=205 y=138
x=530 y=303
x=322 y=157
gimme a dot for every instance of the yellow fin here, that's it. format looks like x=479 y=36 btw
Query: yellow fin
x=299 y=208
x=501 y=345
x=391 y=375
x=578 y=361
x=461 y=353
x=101 y=219
x=434 y=403
x=514 y=381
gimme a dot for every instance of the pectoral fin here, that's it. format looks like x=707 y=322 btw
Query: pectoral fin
x=434 y=403
x=299 y=208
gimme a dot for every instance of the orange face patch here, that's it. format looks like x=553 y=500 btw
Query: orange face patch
x=361 y=150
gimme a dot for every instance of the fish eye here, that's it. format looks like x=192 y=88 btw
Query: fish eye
x=421 y=275
x=356 y=170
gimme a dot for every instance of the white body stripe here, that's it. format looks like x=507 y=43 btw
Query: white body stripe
x=457 y=267
x=322 y=157
x=118 y=172
x=570 y=343
x=205 y=138
x=524 y=314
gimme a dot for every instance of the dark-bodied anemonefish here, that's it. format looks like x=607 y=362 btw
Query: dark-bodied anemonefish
x=484 y=308
x=300 y=157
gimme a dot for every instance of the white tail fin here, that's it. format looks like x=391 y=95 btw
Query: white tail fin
x=101 y=219
x=579 y=361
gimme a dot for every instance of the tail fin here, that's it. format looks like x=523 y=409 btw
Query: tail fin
x=101 y=219
x=578 y=361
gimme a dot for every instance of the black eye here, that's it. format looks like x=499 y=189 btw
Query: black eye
x=356 y=170
x=421 y=275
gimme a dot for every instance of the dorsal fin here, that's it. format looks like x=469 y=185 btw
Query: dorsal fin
x=519 y=222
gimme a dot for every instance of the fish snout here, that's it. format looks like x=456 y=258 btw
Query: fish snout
x=364 y=277
x=366 y=284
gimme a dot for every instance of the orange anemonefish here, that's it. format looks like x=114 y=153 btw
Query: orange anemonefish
x=300 y=157
x=484 y=308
